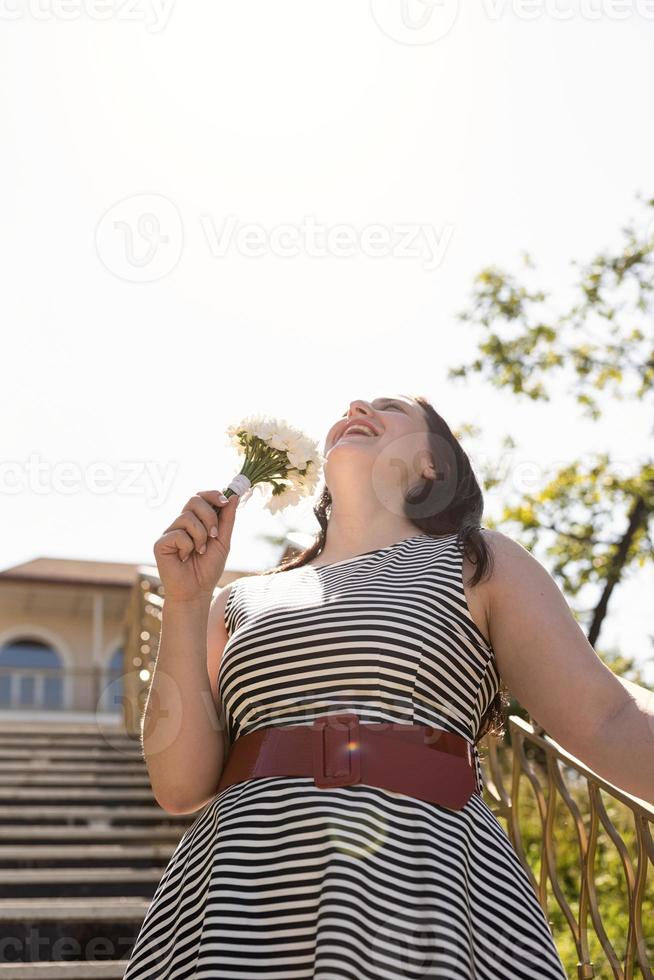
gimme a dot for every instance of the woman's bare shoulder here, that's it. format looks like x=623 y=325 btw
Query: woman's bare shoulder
x=508 y=556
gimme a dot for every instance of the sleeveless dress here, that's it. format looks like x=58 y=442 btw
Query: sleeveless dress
x=283 y=880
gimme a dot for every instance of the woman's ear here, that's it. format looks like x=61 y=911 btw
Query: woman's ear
x=428 y=470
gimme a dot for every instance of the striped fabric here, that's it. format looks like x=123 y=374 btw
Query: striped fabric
x=280 y=879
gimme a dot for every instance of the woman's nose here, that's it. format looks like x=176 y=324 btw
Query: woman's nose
x=360 y=405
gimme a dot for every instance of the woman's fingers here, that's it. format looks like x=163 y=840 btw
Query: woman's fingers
x=213 y=499
x=203 y=520
x=194 y=528
x=176 y=540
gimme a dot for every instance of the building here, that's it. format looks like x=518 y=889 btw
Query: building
x=65 y=626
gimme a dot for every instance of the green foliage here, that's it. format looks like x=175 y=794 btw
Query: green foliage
x=593 y=519
x=602 y=339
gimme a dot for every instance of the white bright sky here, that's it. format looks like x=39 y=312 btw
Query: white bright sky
x=500 y=133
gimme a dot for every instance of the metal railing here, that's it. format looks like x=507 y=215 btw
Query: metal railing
x=591 y=864
x=59 y=688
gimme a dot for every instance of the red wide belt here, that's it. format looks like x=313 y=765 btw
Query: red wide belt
x=339 y=750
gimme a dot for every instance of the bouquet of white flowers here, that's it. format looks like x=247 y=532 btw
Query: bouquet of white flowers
x=277 y=456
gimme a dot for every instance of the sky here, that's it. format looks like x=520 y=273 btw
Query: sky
x=215 y=210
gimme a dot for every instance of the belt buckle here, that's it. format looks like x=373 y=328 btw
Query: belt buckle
x=328 y=768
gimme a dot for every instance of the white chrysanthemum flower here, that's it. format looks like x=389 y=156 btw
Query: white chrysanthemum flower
x=277 y=455
x=306 y=485
x=278 y=502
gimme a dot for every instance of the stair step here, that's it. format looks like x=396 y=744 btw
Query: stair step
x=74 y=779
x=78 y=798
x=22 y=738
x=103 y=768
x=19 y=737
x=87 y=853
x=84 y=834
x=106 y=813
x=15 y=726
x=62 y=970
x=52 y=794
x=45 y=757
x=103 y=909
x=72 y=742
x=73 y=876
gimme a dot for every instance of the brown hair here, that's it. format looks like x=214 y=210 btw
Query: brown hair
x=458 y=507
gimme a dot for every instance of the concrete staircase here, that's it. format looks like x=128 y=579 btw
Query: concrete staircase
x=83 y=844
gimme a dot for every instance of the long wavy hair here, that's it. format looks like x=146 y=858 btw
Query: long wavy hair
x=461 y=508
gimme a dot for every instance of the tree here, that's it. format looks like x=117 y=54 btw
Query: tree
x=602 y=342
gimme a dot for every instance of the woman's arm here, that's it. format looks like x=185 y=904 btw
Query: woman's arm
x=546 y=661
x=183 y=742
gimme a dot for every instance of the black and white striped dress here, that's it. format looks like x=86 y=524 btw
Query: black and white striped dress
x=281 y=879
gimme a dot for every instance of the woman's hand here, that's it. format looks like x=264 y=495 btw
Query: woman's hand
x=190 y=556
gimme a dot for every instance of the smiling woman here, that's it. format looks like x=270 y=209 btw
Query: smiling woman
x=369 y=854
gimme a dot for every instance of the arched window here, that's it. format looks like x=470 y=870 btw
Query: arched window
x=31 y=675
x=111 y=698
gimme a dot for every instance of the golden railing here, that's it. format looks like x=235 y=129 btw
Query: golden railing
x=142 y=627
x=559 y=851
x=591 y=865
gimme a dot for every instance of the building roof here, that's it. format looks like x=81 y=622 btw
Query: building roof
x=73 y=571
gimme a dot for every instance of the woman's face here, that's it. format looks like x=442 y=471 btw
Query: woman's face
x=393 y=444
